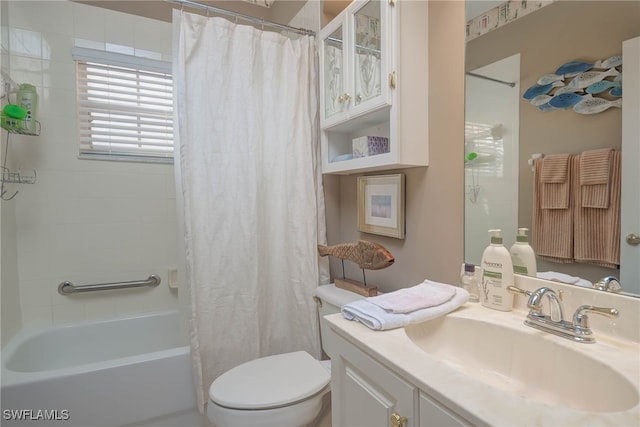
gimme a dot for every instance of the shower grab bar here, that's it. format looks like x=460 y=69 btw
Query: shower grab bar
x=68 y=288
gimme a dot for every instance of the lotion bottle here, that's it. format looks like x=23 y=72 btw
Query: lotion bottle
x=497 y=274
x=522 y=255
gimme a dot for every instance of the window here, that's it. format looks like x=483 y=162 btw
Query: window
x=486 y=142
x=125 y=107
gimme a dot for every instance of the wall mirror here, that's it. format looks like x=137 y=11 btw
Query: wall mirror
x=506 y=130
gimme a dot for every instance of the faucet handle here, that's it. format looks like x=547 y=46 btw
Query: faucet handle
x=517 y=290
x=581 y=320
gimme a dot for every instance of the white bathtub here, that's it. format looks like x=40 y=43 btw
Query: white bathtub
x=97 y=374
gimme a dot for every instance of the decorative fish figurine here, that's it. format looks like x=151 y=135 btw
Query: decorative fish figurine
x=583 y=80
x=546 y=107
x=595 y=105
x=540 y=99
x=612 y=61
x=567 y=89
x=576 y=67
x=601 y=86
x=368 y=255
x=616 y=91
x=566 y=100
x=549 y=78
x=536 y=89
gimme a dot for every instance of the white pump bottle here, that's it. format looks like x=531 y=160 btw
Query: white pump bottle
x=497 y=274
x=522 y=255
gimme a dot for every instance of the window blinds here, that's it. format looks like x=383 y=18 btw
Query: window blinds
x=125 y=107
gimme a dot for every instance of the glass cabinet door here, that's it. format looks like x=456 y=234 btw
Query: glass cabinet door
x=334 y=101
x=367 y=46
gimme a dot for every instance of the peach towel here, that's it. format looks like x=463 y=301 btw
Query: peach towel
x=555 y=179
x=597 y=230
x=552 y=236
x=595 y=171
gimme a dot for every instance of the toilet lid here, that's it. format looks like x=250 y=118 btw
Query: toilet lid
x=270 y=382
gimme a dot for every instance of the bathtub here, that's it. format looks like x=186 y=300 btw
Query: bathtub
x=103 y=373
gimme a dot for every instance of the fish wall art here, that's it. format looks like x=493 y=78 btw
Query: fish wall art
x=586 y=87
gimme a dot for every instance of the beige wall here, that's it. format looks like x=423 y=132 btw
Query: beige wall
x=433 y=247
x=556 y=34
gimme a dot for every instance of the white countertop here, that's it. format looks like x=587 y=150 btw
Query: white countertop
x=481 y=403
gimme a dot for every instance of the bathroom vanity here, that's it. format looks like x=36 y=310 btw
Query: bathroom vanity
x=478 y=366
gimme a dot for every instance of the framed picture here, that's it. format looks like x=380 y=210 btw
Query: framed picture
x=381 y=205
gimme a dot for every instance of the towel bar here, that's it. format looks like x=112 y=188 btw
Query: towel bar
x=68 y=288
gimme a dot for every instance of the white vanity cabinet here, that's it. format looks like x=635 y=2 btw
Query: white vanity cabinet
x=365 y=393
x=373 y=82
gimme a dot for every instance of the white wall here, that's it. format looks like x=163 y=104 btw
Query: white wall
x=84 y=221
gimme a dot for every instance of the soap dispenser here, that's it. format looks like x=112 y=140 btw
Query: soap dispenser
x=497 y=274
x=522 y=255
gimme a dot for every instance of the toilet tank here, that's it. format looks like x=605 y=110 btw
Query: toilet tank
x=330 y=301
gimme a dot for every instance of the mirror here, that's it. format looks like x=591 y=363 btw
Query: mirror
x=505 y=130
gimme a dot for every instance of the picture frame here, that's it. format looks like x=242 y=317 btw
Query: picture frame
x=381 y=205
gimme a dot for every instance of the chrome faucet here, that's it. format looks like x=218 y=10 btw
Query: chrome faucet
x=608 y=284
x=578 y=330
x=555 y=306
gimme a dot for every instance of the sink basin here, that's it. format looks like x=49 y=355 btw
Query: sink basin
x=527 y=363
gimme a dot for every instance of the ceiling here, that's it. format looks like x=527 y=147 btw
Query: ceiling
x=281 y=11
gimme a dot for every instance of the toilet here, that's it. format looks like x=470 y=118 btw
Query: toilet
x=279 y=390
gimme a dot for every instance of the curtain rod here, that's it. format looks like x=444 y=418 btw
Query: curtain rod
x=253 y=20
x=480 y=76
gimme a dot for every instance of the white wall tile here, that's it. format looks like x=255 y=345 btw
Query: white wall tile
x=36 y=316
x=85 y=221
x=88 y=24
x=25 y=43
x=57 y=47
x=68 y=313
x=56 y=17
x=119 y=29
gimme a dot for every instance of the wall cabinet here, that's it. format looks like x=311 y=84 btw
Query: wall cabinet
x=365 y=393
x=373 y=82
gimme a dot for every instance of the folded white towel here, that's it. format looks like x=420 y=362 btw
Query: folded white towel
x=426 y=294
x=564 y=278
x=375 y=317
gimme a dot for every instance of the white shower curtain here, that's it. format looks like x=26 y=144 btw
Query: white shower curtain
x=252 y=191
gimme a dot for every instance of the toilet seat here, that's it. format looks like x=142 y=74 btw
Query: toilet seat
x=270 y=382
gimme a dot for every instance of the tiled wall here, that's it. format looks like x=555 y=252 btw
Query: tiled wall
x=84 y=221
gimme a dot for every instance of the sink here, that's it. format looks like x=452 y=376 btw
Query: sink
x=527 y=363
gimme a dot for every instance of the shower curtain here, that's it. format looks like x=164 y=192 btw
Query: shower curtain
x=246 y=107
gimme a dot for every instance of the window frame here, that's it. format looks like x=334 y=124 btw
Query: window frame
x=151 y=117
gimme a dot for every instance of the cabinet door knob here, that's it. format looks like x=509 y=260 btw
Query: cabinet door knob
x=344 y=98
x=633 y=239
x=397 y=420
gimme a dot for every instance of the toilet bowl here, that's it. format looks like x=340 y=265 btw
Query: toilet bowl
x=279 y=390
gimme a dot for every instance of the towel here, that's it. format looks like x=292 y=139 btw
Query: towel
x=554 y=176
x=375 y=317
x=597 y=230
x=427 y=294
x=552 y=234
x=595 y=173
x=564 y=278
